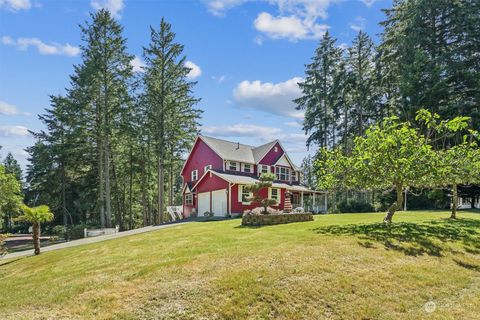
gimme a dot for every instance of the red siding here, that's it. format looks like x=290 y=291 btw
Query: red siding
x=200 y=156
x=211 y=183
x=238 y=207
x=272 y=157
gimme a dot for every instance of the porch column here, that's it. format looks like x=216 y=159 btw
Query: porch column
x=301 y=199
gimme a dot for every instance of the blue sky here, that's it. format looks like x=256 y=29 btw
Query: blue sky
x=246 y=55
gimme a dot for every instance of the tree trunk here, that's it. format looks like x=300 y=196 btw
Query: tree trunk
x=160 y=189
x=101 y=194
x=36 y=237
x=397 y=205
x=108 y=204
x=170 y=185
x=454 y=201
x=130 y=193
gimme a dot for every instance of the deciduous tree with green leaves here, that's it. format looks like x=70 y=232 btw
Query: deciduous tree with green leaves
x=391 y=155
x=36 y=216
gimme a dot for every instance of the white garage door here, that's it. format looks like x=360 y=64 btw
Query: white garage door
x=203 y=203
x=219 y=202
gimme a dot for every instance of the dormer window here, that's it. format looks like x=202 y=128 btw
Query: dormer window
x=247 y=167
x=207 y=167
x=194 y=175
x=233 y=166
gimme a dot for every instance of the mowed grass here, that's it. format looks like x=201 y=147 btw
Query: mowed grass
x=346 y=266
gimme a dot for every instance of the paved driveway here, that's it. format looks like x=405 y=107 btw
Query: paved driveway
x=79 y=242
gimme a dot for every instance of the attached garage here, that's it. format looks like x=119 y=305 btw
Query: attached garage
x=203 y=203
x=219 y=202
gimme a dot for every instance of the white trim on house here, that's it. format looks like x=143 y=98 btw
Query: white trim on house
x=237 y=165
x=278 y=196
x=243 y=166
x=240 y=195
x=207 y=167
x=194 y=173
x=260 y=168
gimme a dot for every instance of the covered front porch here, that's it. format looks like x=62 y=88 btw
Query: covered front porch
x=309 y=200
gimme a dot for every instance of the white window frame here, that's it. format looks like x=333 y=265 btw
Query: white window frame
x=277 y=197
x=194 y=173
x=207 y=167
x=241 y=194
x=229 y=164
x=261 y=167
x=247 y=164
x=295 y=175
x=286 y=174
x=275 y=149
x=189 y=199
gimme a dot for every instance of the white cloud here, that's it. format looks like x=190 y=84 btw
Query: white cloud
x=8 y=109
x=42 y=47
x=15 y=5
x=14 y=131
x=11 y=110
x=243 y=130
x=275 y=98
x=359 y=24
x=114 y=6
x=137 y=64
x=219 y=79
x=294 y=124
x=368 y=3
x=219 y=7
x=195 y=71
x=289 y=27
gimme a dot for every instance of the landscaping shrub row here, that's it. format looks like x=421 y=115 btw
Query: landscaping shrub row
x=270 y=219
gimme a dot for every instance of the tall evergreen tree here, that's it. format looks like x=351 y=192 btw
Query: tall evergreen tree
x=322 y=93
x=168 y=102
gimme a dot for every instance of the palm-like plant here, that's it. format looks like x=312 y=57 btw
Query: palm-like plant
x=36 y=216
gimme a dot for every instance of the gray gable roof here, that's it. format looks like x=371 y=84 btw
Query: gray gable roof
x=237 y=151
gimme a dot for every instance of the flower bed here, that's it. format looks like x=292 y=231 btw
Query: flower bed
x=271 y=219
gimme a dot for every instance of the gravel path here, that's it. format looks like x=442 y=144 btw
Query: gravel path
x=80 y=242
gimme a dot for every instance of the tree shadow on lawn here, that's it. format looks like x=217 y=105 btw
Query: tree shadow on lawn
x=414 y=239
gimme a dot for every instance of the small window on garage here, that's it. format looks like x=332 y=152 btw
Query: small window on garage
x=189 y=199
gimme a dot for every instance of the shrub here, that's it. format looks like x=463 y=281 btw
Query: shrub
x=59 y=231
x=355 y=206
x=208 y=214
x=75 y=232
x=260 y=210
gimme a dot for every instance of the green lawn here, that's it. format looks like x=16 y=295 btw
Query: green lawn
x=345 y=266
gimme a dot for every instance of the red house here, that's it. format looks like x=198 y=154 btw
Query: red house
x=216 y=171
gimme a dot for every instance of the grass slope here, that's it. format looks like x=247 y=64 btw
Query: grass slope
x=338 y=267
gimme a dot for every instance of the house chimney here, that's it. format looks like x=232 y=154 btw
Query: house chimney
x=238 y=145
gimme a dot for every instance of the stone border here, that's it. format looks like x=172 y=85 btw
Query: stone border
x=272 y=219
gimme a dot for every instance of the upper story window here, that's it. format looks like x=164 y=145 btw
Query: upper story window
x=282 y=173
x=207 y=167
x=295 y=175
x=194 y=175
x=232 y=166
x=276 y=149
x=247 y=167
x=263 y=169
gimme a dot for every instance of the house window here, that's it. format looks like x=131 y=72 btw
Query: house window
x=276 y=149
x=194 y=175
x=295 y=176
x=244 y=195
x=274 y=194
x=247 y=167
x=207 y=167
x=282 y=173
x=263 y=169
x=189 y=199
x=233 y=166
